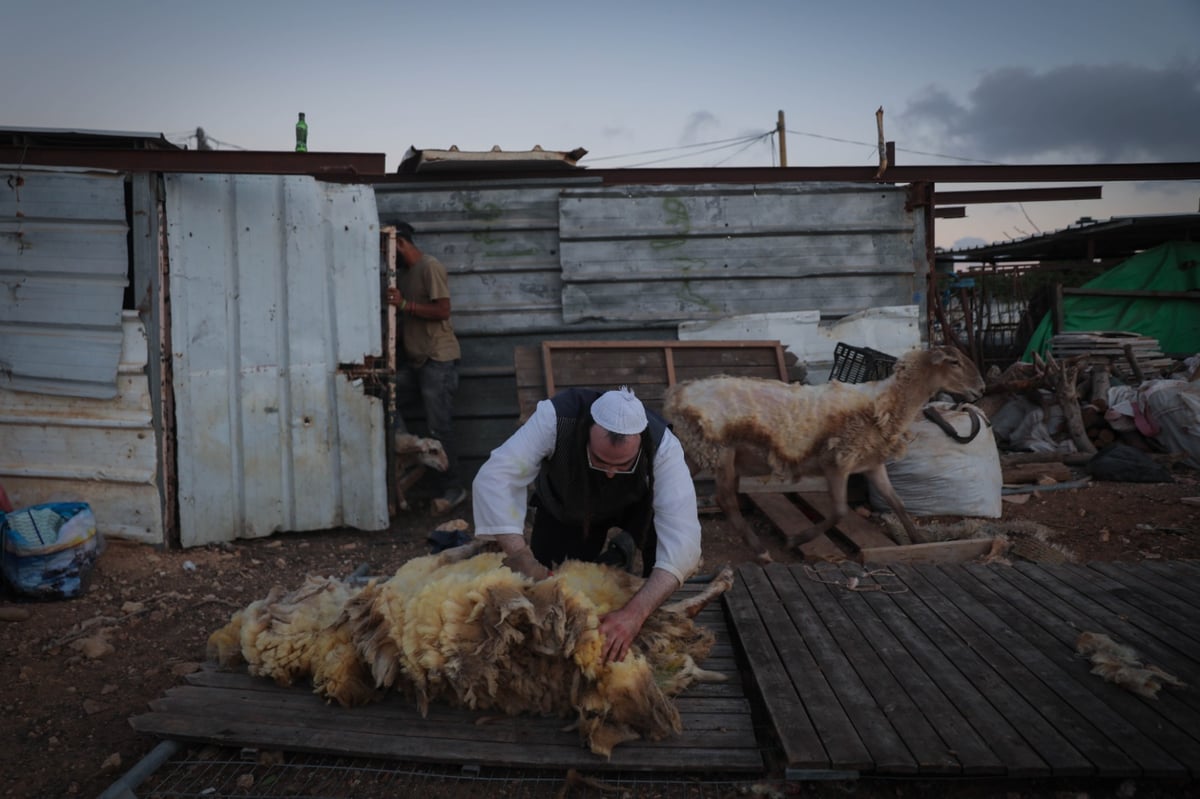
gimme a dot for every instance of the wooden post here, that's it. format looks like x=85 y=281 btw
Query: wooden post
x=883 y=161
x=781 y=129
x=391 y=416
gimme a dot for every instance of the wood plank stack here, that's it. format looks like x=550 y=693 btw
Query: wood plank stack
x=1117 y=348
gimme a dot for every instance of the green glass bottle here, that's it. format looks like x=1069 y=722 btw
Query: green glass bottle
x=301 y=134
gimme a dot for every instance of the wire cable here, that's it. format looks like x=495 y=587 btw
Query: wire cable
x=744 y=141
x=736 y=140
x=747 y=146
x=875 y=147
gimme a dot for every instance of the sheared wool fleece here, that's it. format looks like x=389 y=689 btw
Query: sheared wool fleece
x=474 y=633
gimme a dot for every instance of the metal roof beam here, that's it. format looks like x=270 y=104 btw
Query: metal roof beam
x=1016 y=195
x=245 y=162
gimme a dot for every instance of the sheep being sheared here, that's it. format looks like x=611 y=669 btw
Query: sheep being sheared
x=463 y=628
x=740 y=426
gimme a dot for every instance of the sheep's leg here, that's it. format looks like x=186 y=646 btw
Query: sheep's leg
x=878 y=477
x=695 y=603
x=466 y=551
x=727 y=498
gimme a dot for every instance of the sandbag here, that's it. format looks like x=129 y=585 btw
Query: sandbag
x=942 y=476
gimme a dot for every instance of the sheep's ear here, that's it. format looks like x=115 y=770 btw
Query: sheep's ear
x=941 y=355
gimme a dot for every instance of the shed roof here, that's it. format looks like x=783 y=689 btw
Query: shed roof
x=1117 y=237
x=78 y=137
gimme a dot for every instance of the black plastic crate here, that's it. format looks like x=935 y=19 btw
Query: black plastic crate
x=860 y=364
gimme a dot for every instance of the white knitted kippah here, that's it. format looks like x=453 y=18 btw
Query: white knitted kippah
x=620 y=411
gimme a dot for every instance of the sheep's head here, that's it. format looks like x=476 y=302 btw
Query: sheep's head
x=427 y=451
x=624 y=704
x=955 y=373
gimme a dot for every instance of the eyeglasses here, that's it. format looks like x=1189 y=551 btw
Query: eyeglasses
x=611 y=468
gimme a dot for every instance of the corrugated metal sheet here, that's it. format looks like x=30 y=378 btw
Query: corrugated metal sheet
x=99 y=451
x=63 y=268
x=559 y=258
x=274 y=282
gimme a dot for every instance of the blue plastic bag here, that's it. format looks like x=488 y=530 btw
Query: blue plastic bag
x=49 y=550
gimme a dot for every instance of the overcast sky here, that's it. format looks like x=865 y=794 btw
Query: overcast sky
x=960 y=82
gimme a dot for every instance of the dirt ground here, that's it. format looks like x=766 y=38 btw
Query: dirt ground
x=75 y=671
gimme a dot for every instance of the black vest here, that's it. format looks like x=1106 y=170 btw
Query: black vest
x=571 y=491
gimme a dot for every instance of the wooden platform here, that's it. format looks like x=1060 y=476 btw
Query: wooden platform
x=955 y=671
x=234 y=709
x=968 y=670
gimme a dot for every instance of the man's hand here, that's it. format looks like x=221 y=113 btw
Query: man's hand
x=619 y=628
x=394 y=297
x=524 y=562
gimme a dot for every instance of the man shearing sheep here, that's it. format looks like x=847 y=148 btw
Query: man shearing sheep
x=596 y=461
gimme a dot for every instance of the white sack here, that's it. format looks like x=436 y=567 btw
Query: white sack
x=938 y=476
x=1173 y=406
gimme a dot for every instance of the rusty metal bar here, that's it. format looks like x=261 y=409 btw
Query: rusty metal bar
x=1017 y=195
x=264 y=162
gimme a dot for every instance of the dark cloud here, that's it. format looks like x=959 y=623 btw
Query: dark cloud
x=1111 y=113
x=695 y=126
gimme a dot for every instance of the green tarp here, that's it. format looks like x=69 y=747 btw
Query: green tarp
x=1174 y=266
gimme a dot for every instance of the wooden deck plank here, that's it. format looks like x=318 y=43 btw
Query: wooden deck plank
x=939 y=651
x=1038 y=678
x=1157 y=642
x=958 y=637
x=850 y=693
x=1164 y=620
x=957 y=746
x=1155 y=648
x=357 y=743
x=1070 y=677
x=447 y=724
x=1184 y=586
x=1139 y=581
x=1166 y=722
x=905 y=717
x=772 y=666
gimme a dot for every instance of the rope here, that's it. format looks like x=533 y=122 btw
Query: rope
x=853 y=583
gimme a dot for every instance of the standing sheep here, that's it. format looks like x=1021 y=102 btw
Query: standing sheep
x=740 y=426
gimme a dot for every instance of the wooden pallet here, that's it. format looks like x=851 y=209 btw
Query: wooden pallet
x=854 y=538
x=235 y=709
x=648 y=367
x=971 y=670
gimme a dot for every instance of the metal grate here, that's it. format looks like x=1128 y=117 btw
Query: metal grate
x=210 y=772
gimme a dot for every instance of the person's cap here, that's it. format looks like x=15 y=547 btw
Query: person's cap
x=620 y=411
x=404 y=230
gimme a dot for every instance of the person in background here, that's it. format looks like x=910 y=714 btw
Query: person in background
x=431 y=353
x=6 y=505
x=596 y=461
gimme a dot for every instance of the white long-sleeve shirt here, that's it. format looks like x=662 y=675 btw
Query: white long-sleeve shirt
x=500 y=492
